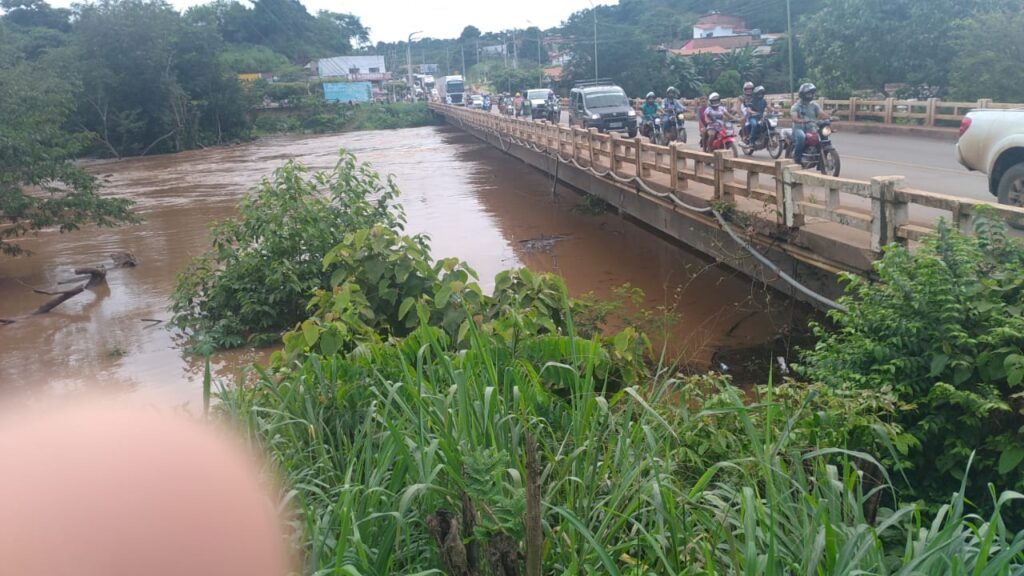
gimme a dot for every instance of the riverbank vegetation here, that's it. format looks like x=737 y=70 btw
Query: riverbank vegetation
x=316 y=116
x=421 y=424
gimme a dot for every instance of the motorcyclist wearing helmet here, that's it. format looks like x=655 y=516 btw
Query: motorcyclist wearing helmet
x=649 y=107
x=714 y=116
x=743 y=107
x=755 y=112
x=805 y=112
x=672 y=104
x=648 y=110
x=517 y=103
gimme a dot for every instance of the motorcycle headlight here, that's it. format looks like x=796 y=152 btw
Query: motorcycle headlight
x=595 y=116
x=632 y=113
x=681 y=117
x=826 y=131
x=773 y=122
x=657 y=121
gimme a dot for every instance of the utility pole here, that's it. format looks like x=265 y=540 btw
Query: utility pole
x=789 y=44
x=515 y=51
x=464 y=72
x=408 y=63
x=593 y=11
x=540 y=65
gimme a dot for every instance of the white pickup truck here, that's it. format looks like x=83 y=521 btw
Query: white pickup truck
x=992 y=142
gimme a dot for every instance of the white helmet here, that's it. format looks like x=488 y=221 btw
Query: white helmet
x=714 y=99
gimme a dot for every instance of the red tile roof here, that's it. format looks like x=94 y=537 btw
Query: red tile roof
x=717 y=45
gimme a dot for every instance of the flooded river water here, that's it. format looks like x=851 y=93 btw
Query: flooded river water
x=475 y=203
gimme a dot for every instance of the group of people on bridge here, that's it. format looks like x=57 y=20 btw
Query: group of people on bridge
x=751 y=108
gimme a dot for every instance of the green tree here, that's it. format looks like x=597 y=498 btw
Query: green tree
x=265 y=264
x=129 y=101
x=728 y=84
x=989 y=60
x=870 y=43
x=743 y=61
x=36 y=99
x=36 y=14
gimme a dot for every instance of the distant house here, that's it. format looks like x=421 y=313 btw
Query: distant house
x=716 y=25
x=493 y=50
x=718 y=33
x=350 y=68
x=711 y=45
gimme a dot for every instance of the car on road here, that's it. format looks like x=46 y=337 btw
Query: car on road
x=540 y=99
x=603 y=105
x=476 y=101
x=992 y=142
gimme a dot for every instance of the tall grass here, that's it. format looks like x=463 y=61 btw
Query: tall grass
x=374 y=444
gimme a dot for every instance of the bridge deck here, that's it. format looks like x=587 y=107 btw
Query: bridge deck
x=812 y=224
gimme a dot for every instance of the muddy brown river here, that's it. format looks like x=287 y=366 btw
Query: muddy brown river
x=473 y=201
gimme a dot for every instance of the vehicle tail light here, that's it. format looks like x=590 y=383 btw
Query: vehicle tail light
x=964 y=125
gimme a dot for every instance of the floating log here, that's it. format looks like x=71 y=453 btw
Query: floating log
x=60 y=298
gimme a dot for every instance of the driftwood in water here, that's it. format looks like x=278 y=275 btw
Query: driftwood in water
x=58 y=299
x=89 y=276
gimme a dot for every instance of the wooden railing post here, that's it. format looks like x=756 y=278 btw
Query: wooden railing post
x=638 y=156
x=887 y=215
x=890 y=104
x=793 y=195
x=852 y=116
x=590 y=146
x=673 y=165
x=780 y=192
x=572 y=140
x=930 y=113
x=614 y=149
x=722 y=176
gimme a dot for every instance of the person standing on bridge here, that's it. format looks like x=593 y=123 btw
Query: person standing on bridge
x=805 y=113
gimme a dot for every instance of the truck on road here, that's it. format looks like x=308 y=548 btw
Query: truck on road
x=992 y=142
x=452 y=90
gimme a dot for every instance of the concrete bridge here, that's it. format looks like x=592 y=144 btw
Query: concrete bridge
x=792 y=229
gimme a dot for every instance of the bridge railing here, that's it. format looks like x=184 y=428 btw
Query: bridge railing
x=879 y=209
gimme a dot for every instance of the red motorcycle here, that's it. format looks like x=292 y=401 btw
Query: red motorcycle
x=724 y=139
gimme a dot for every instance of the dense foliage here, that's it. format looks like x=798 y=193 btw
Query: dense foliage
x=40 y=187
x=942 y=330
x=403 y=413
x=266 y=263
x=142 y=78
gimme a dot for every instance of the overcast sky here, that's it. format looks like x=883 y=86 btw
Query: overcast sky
x=391 y=20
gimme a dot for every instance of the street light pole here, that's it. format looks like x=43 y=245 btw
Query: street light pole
x=593 y=11
x=540 y=66
x=408 y=63
x=515 y=51
x=789 y=45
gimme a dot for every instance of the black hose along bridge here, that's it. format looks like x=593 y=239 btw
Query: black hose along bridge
x=792 y=229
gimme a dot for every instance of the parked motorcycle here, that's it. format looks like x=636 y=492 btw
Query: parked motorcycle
x=818 y=150
x=768 y=137
x=724 y=139
x=674 y=127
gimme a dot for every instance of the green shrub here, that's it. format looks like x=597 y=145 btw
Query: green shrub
x=377 y=444
x=943 y=330
x=267 y=261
